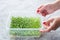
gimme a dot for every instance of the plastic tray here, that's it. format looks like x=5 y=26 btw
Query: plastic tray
x=34 y=32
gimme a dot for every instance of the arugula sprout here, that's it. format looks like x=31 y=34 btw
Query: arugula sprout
x=25 y=32
x=25 y=22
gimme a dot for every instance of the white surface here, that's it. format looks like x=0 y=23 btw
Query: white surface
x=18 y=7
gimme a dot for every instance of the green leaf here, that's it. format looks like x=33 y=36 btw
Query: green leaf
x=25 y=22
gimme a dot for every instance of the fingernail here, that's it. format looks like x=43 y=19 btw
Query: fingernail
x=41 y=30
x=44 y=22
x=38 y=11
x=44 y=12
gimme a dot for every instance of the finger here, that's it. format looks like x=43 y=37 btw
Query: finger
x=45 y=23
x=45 y=26
x=41 y=6
x=45 y=30
x=38 y=11
x=49 y=21
x=42 y=31
x=44 y=12
x=52 y=27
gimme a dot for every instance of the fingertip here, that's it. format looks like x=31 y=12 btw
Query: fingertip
x=44 y=12
x=42 y=31
x=38 y=11
x=41 y=6
x=44 y=22
x=47 y=30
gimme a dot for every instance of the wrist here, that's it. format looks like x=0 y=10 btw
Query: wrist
x=57 y=4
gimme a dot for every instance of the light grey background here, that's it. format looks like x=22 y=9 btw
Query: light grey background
x=27 y=8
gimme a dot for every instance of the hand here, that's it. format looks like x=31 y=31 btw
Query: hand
x=51 y=24
x=46 y=9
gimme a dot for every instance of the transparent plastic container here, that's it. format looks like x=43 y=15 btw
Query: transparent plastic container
x=4 y=26
x=23 y=25
x=28 y=28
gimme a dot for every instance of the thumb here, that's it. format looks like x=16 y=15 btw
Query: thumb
x=51 y=27
x=47 y=23
x=41 y=10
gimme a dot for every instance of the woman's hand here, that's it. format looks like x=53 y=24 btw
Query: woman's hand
x=51 y=24
x=48 y=8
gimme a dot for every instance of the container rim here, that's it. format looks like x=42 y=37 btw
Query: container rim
x=25 y=28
